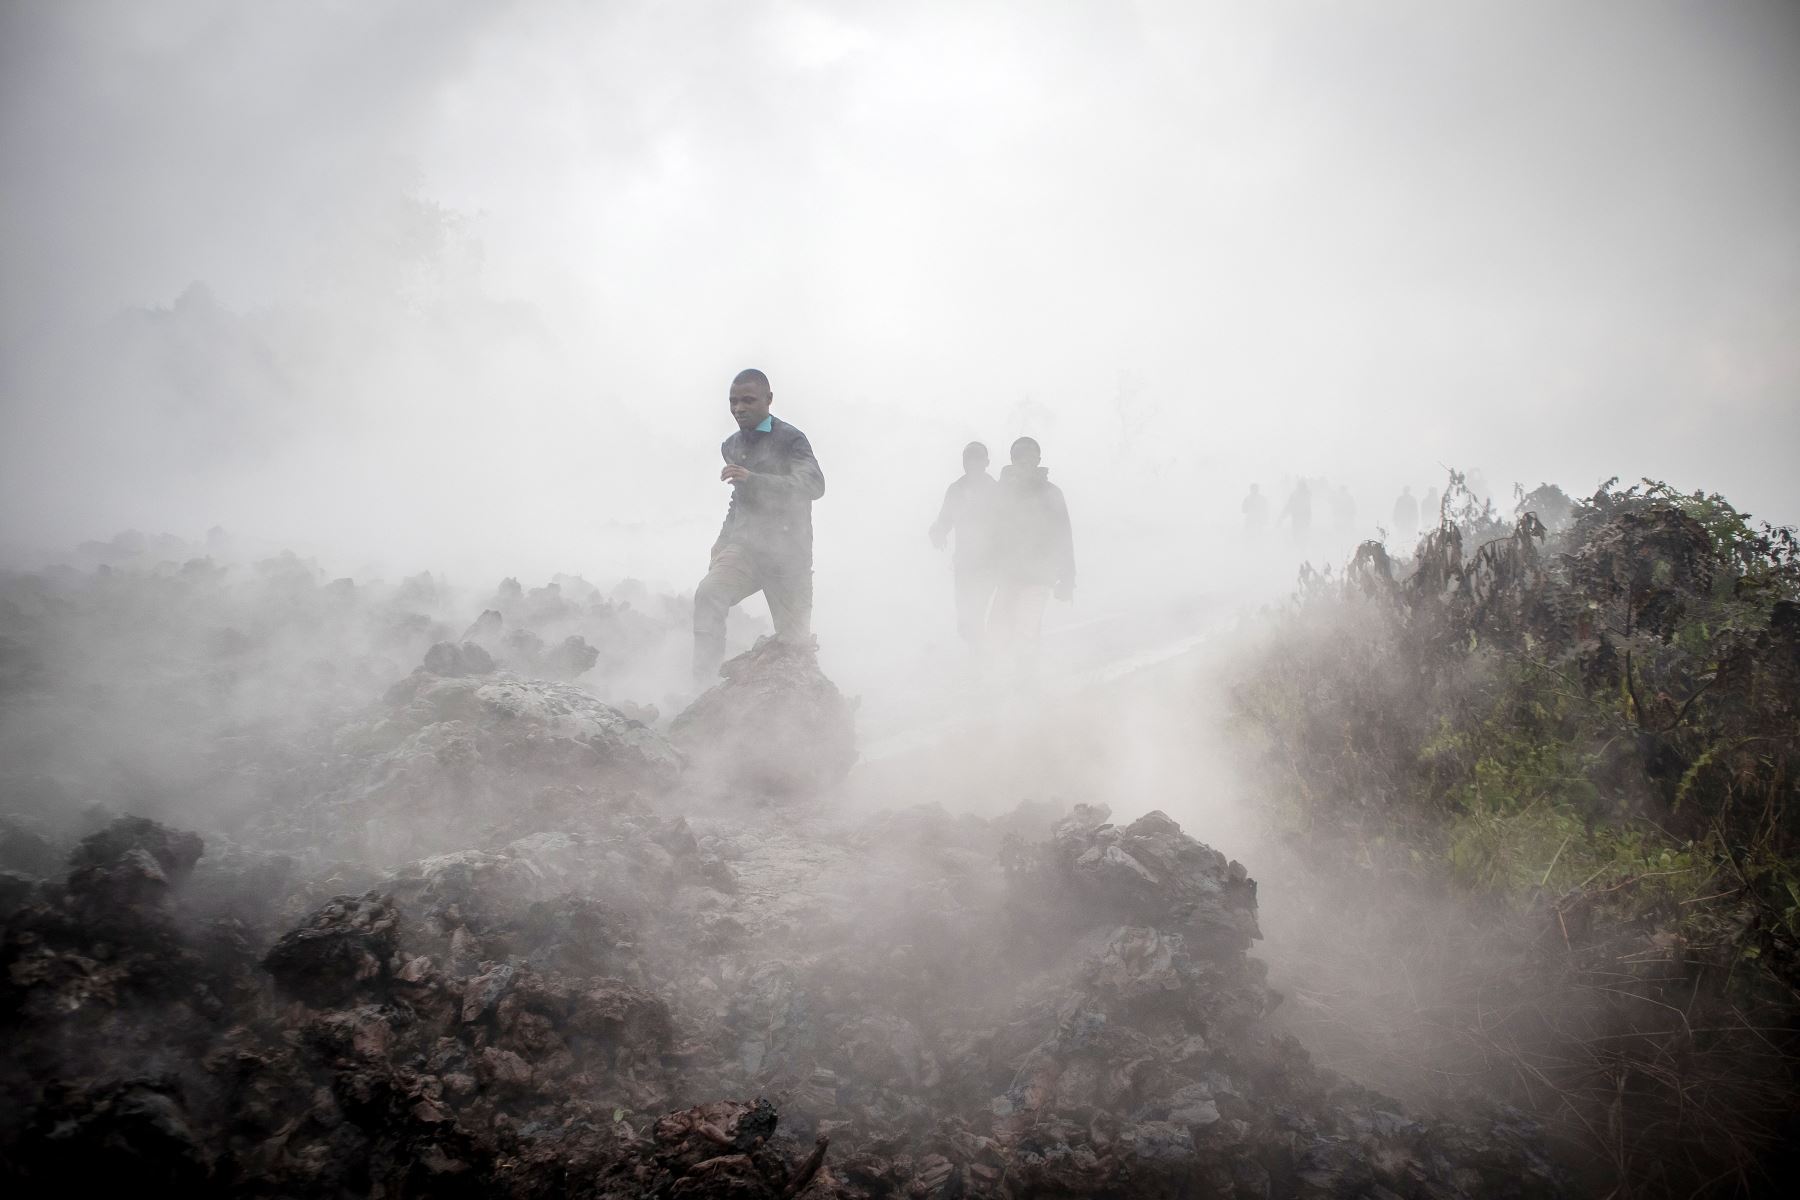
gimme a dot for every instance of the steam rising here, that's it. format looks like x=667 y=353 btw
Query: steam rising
x=376 y=320
x=1184 y=248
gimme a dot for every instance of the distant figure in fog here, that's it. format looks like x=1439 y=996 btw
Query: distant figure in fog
x=1298 y=511
x=1406 y=519
x=1256 y=512
x=968 y=515
x=766 y=542
x=1429 y=510
x=1034 y=553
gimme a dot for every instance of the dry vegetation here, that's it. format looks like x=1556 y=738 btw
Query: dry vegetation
x=1551 y=765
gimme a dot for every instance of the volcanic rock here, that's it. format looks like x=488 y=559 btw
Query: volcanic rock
x=452 y=660
x=445 y=762
x=775 y=727
x=341 y=952
x=518 y=1020
x=173 y=853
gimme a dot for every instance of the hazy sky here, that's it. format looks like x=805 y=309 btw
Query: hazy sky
x=474 y=276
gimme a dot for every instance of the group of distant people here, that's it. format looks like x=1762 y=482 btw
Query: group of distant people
x=1297 y=512
x=1013 y=546
x=1408 y=514
x=1012 y=551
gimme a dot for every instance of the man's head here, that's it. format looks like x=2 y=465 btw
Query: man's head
x=750 y=398
x=1025 y=452
x=975 y=458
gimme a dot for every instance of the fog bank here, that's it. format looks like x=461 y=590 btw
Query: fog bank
x=461 y=286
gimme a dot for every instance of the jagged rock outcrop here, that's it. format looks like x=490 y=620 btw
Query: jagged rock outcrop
x=774 y=728
x=446 y=761
x=913 y=1004
x=341 y=953
x=453 y=660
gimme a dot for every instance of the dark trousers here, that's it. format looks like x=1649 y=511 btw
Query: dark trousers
x=974 y=591
x=1016 y=624
x=738 y=572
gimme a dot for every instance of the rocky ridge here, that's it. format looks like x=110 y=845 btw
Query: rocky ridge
x=980 y=1015
x=507 y=942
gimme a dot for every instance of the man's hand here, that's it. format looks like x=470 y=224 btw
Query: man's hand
x=733 y=474
x=937 y=539
x=1065 y=591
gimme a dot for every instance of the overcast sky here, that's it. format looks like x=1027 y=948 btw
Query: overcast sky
x=464 y=283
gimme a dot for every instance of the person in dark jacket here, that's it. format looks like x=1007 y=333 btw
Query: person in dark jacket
x=765 y=544
x=1406 y=520
x=968 y=514
x=1034 y=551
x=1298 y=510
x=1256 y=511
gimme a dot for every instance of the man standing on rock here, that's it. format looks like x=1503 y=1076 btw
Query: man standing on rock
x=766 y=543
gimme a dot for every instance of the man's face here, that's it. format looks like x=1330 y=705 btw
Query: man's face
x=974 y=464
x=750 y=403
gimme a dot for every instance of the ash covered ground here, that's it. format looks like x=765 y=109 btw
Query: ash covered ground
x=321 y=887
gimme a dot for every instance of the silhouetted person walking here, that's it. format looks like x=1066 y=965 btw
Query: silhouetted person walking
x=1035 y=551
x=1256 y=511
x=1298 y=510
x=1406 y=520
x=968 y=515
x=765 y=544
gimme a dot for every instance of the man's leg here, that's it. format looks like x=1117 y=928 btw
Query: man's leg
x=974 y=591
x=1028 y=613
x=1014 y=623
x=1028 y=627
x=730 y=579
x=788 y=587
x=1000 y=612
